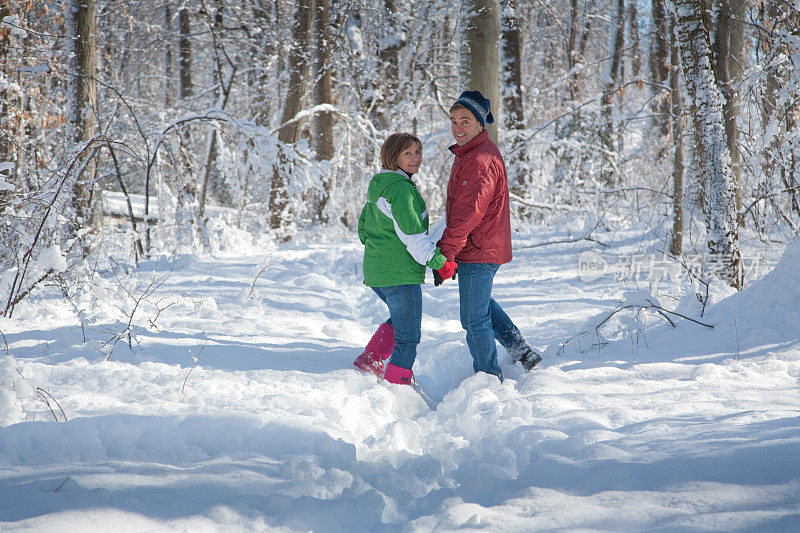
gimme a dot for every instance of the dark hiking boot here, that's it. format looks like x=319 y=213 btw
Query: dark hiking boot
x=529 y=359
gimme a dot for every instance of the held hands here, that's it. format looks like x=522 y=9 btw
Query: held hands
x=447 y=271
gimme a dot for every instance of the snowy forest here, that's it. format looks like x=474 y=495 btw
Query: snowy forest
x=181 y=293
x=171 y=122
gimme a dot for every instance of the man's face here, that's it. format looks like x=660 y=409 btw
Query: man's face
x=464 y=126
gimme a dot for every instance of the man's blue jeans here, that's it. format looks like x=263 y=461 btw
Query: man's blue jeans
x=484 y=320
x=405 y=316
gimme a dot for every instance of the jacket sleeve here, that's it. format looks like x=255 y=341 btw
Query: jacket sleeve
x=469 y=205
x=362 y=230
x=398 y=203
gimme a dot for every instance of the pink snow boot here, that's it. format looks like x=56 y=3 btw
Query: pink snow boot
x=378 y=349
x=398 y=374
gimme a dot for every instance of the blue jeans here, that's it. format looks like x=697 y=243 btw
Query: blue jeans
x=405 y=316
x=484 y=320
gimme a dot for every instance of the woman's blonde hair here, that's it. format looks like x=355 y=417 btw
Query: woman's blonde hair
x=393 y=147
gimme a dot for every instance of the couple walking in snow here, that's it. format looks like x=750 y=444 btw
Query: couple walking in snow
x=400 y=245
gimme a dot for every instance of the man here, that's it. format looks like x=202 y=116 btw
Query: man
x=478 y=235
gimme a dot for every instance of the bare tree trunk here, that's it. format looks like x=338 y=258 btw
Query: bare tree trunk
x=263 y=48
x=82 y=94
x=8 y=103
x=298 y=75
x=728 y=70
x=5 y=95
x=83 y=84
x=479 y=56
x=779 y=115
x=791 y=172
x=659 y=52
x=167 y=56
x=211 y=153
x=389 y=56
x=710 y=146
x=513 y=106
x=324 y=86
x=290 y=129
x=610 y=86
x=210 y=187
x=323 y=94
x=187 y=188
x=216 y=26
x=184 y=54
x=676 y=244
x=6 y=146
x=572 y=48
x=633 y=34
x=768 y=20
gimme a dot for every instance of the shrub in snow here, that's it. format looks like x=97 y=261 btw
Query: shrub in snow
x=14 y=389
x=628 y=321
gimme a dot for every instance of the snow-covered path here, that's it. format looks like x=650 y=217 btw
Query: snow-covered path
x=692 y=429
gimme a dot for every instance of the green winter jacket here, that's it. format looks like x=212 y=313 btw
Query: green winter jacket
x=393 y=227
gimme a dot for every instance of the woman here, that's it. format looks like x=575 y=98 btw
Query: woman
x=393 y=227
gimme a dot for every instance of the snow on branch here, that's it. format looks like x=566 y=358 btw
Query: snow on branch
x=14 y=24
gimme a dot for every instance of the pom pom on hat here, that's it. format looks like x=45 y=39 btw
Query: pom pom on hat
x=480 y=106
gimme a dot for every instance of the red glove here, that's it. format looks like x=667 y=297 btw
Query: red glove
x=448 y=269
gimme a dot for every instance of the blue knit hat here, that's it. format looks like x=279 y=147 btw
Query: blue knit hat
x=480 y=106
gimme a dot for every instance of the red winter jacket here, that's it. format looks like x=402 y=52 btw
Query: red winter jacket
x=478 y=214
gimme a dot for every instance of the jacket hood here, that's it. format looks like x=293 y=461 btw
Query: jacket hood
x=383 y=179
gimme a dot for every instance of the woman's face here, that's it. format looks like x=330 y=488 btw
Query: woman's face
x=464 y=126
x=410 y=158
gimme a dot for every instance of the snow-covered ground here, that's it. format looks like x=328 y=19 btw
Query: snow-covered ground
x=663 y=428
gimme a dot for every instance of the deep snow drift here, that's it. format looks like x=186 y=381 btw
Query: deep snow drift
x=236 y=406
